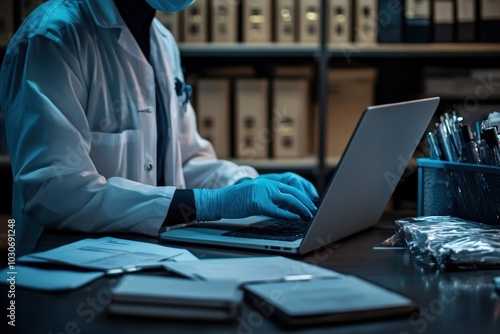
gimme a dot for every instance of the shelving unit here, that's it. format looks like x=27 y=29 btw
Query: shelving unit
x=382 y=55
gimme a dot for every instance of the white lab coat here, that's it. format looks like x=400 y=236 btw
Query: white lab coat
x=79 y=102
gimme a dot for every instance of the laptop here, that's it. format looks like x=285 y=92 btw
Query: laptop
x=371 y=166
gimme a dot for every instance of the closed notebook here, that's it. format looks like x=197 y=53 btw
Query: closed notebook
x=342 y=299
x=168 y=297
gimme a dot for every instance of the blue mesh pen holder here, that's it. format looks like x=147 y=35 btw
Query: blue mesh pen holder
x=466 y=191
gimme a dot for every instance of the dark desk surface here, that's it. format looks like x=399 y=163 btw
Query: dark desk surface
x=450 y=301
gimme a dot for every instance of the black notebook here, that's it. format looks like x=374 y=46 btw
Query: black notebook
x=176 y=298
x=342 y=299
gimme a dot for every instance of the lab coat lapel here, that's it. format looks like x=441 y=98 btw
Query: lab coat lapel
x=106 y=15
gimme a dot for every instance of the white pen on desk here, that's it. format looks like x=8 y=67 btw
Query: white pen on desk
x=298 y=278
x=135 y=268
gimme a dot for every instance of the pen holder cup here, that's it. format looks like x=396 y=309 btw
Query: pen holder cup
x=467 y=191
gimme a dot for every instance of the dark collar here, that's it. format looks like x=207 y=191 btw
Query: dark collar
x=137 y=14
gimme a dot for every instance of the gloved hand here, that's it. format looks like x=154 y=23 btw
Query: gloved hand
x=293 y=180
x=259 y=196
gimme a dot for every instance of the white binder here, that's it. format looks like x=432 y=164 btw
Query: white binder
x=340 y=21
x=366 y=21
x=350 y=92
x=289 y=121
x=172 y=22
x=309 y=21
x=252 y=130
x=224 y=21
x=195 y=22
x=213 y=109
x=285 y=20
x=256 y=20
x=6 y=21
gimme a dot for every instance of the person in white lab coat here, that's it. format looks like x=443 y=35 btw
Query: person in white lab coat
x=101 y=134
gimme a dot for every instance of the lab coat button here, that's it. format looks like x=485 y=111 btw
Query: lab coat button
x=149 y=167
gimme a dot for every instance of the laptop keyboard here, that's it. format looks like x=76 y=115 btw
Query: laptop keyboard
x=283 y=230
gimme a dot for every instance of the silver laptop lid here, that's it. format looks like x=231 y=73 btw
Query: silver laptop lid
x=369 y=170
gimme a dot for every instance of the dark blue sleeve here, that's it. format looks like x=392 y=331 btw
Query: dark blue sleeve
x=182 y=208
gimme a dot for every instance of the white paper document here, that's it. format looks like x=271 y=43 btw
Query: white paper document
x=47 y=279
x=251 y=269
x=114 y=254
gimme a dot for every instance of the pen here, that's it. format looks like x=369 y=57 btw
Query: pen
x=445 y=142
x=452 y=137
x=289 y=278
x=470 y=150
x=434 y=150
x=491 y=138
x=135 y=268
x=478 y=131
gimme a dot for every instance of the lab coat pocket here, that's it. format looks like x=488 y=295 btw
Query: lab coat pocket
x=116 y=116
x=114 y=153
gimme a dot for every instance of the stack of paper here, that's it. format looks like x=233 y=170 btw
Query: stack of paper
x=111 y=254
x=74 y=265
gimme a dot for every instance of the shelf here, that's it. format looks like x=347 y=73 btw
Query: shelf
x=415 y=50
x=248 y=49
x=297 y=165
x=350 y=50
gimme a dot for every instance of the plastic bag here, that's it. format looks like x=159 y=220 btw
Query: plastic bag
x=450 y=242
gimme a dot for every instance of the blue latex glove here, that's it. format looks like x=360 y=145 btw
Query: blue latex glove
x=293 y=180
x=259 y=196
